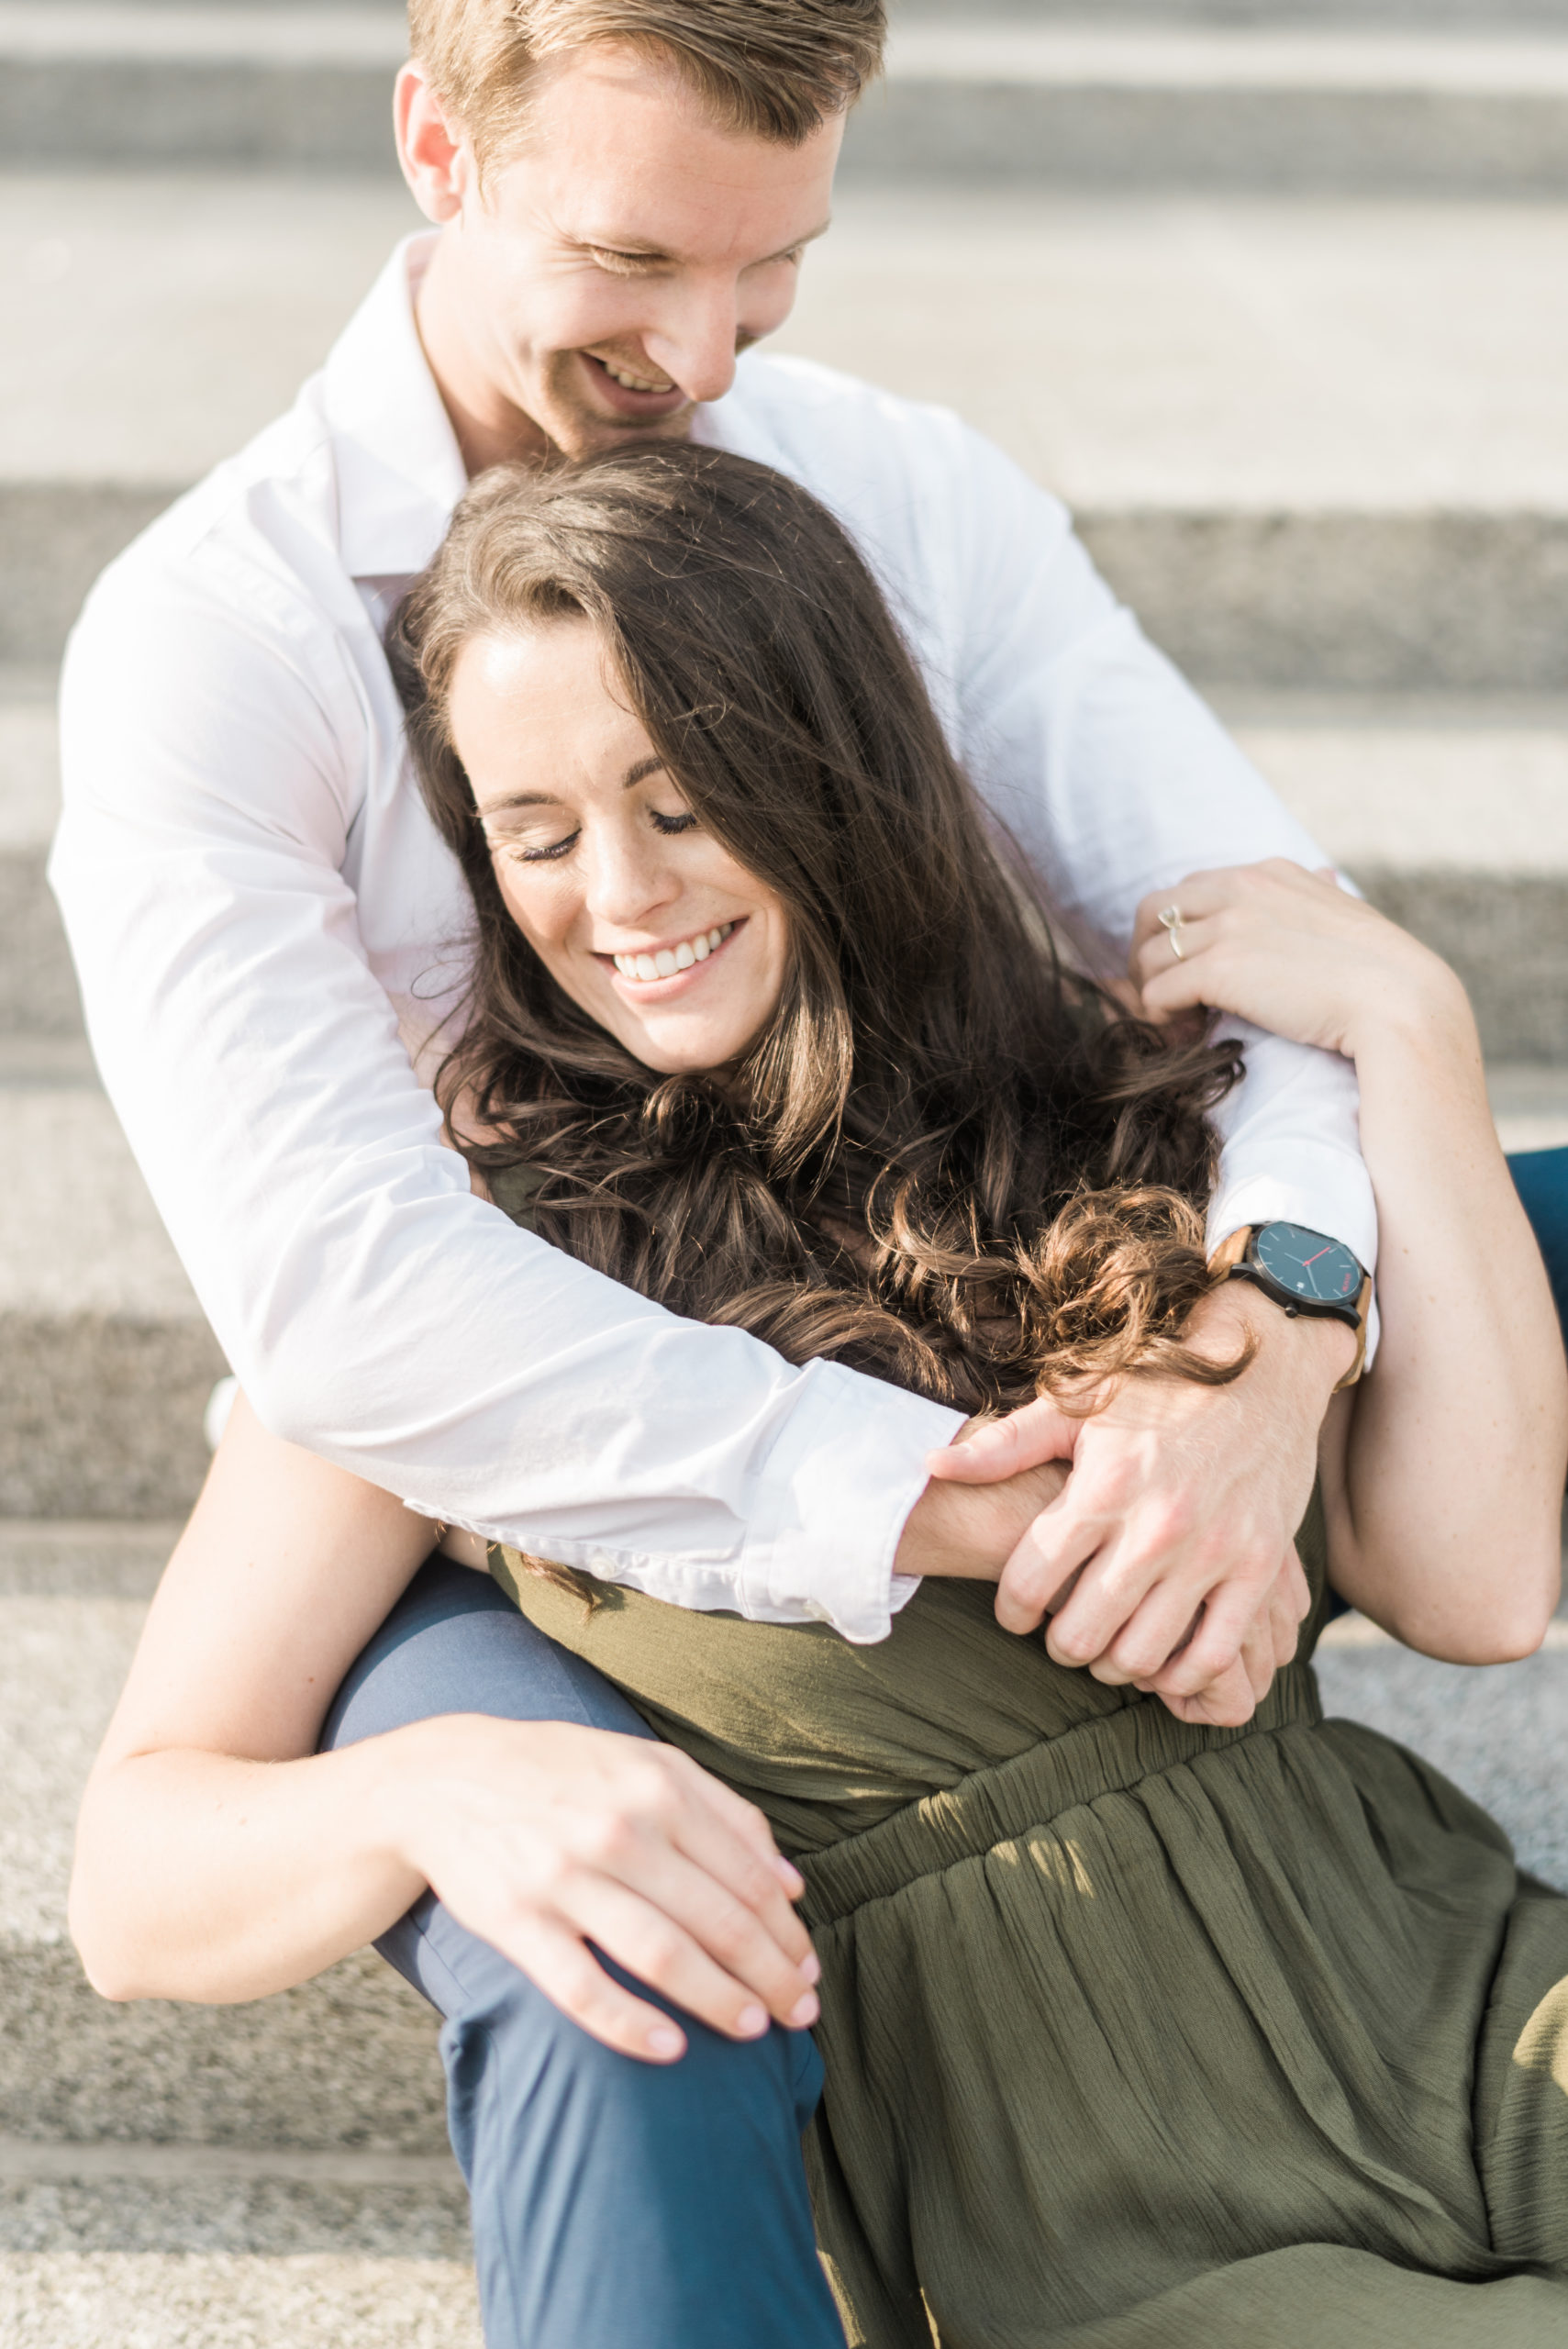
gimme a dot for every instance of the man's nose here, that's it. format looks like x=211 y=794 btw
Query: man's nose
x=695 y=341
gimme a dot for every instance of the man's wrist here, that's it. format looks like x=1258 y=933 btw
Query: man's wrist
x=1316 y=1345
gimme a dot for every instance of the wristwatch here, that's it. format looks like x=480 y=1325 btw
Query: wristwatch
x=1303 y=1272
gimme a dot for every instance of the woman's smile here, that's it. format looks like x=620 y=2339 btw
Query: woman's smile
x=647 y=967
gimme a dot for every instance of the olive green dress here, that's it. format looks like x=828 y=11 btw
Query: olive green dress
x=1138 y=2036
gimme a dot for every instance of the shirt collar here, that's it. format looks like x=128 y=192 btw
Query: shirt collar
x=399 y=469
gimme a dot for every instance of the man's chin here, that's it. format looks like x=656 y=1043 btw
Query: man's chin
x=594 y=436
x=578 y=426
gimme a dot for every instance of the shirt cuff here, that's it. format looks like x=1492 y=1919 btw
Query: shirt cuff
x=836 y=1492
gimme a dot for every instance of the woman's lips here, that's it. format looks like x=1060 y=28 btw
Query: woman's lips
x=659 y=990
x=623 y=399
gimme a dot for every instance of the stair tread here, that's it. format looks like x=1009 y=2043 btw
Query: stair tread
x=1229 y=355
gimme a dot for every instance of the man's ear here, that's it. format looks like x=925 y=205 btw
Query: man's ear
x=436 y=160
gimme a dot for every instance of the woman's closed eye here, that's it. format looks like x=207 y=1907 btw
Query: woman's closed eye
x=524 y=849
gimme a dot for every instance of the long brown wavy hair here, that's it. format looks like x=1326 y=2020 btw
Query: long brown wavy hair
x=944 y=1160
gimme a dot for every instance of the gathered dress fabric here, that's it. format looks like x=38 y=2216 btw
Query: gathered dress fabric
x=1138 y=2035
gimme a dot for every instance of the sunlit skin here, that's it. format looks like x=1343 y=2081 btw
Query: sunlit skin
x=597 y=853
x=629 y=229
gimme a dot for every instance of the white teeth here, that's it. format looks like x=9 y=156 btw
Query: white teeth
x=632 y=383
x=671 y=959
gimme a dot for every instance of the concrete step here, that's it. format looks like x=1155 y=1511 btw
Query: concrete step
x=106 y=1360
x=1501 y=1733
x=1452 y=815
x=1315 y=444
x=1185 y=102
x=347 y=2062
x=1290 y=15
x=108 y=2246
x=38 y=995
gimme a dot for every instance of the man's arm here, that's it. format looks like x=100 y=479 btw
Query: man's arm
x=213 y=749
x=1116 y=780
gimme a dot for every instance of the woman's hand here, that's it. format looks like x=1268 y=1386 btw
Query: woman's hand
x=220 y=1856
x=1292 y=952
x=543 y=1837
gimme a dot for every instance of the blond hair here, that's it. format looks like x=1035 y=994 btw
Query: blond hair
x=775 y=69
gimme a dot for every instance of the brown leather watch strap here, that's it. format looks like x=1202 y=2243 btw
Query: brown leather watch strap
x=1363 y=1307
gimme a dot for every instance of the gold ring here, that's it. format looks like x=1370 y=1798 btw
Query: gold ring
x=1171 y=922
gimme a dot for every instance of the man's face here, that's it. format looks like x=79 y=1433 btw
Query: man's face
x=603 y=280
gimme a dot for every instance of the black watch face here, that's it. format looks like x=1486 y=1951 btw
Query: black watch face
x=1307 y=1263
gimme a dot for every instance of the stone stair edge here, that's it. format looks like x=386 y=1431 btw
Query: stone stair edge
x=1349 y=600
x=1176 y=102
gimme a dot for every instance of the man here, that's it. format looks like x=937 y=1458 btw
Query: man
x=623 y=192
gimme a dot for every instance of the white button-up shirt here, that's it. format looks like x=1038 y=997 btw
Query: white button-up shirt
x=257 y=899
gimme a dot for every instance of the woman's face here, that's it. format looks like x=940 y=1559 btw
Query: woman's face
x=643 y=918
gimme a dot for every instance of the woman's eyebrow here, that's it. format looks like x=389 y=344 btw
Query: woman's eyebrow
x=640 y=772
x=516 y=799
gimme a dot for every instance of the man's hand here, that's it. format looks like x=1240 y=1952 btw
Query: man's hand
x=1167 y=1559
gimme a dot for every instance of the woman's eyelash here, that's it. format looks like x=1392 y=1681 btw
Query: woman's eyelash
x=547 y=855
x=668 y=825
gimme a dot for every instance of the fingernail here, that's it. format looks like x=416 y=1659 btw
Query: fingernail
x=789 y=1875
x=811 y=1966
x=751 y=2022
x=665 y=2040
x=802 y=2015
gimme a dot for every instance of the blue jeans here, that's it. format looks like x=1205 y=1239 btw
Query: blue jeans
x=1541 y=1178
x=617 y=2205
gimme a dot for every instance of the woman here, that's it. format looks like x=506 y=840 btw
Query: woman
x=1137 y=2027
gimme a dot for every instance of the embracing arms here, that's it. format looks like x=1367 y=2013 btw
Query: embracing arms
x=1443 y=1470
x=219 y=1856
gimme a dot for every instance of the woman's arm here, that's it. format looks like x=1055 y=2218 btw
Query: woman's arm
x=220 y=1857
x=1443 y=1470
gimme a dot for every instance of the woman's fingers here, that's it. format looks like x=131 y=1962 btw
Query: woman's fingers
x=699 y=1950
x=565 y=1968
x=543 y=1837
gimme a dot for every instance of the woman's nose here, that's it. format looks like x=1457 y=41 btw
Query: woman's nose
x=626 y=880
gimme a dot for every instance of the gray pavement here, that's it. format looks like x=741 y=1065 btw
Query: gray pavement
x=1438 y=106
x=1501 y=1732
x=1342 y=418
